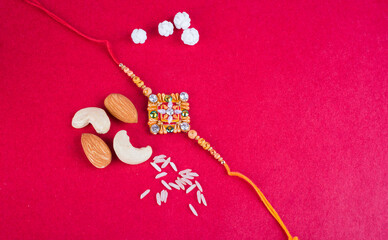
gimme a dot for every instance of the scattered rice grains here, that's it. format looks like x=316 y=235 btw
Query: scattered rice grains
x=181 y=180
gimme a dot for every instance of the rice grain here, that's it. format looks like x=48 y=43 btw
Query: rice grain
x=156 y=167
x=174 y=186
x=166 y=185
x=144 y=193
x=198 y=185
x=166 y=163
x=187 y=176
x=199 y=196
x=184 y=171
x=158 y=199
x=159 y=160
x=203 y=200
x=180 y=184
x=162 y=174
x=190 y=188
x=185 y=181
x=193 y=174
x=160 y=156
x=193 y=210
x=164 y=196
x=173 y=166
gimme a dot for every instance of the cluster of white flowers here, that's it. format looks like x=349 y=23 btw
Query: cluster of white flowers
x=190 y=36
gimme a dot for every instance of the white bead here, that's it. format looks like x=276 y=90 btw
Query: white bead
x=155 y=129
x=185 y=126
x=190 y=36
x=138 y=36
x=153 y=98
x=182 y=20
x=165 y=28
x=184 y=96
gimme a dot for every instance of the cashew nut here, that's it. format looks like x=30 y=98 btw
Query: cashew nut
x=95 y=116
x=126 y=152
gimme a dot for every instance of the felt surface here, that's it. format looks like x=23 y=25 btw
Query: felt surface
x=292 y=93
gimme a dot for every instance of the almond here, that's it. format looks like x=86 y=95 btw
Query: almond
x=96 y=150
x=121 y=108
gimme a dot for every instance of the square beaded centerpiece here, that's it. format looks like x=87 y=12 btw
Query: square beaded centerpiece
x=168 y=113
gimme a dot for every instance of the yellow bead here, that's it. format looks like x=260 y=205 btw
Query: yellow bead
x=206 y=145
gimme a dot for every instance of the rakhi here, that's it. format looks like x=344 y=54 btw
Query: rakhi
x=169 y=113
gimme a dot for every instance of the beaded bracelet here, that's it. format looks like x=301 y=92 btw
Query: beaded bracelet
x=169 y=113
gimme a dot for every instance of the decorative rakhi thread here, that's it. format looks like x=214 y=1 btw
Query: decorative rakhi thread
x=173 y=102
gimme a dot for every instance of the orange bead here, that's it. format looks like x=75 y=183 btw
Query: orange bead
x=147 y=91
x=192 y=134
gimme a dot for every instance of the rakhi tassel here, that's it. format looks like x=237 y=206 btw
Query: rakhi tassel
x=192 y=134
x=263 y=199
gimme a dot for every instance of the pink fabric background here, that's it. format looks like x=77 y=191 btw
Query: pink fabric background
x=293 y=94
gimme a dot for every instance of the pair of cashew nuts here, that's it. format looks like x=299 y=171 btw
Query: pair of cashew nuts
x=122 y=146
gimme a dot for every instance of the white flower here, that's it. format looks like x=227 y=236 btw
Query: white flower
x=169 y=112
x=190 y=36
x=182 y=20
x=165 y=28
x=138 y=36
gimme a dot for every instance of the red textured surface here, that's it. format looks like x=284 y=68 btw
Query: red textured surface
x=294 y=95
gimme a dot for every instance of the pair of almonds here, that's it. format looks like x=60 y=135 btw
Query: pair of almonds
x=95 y=149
